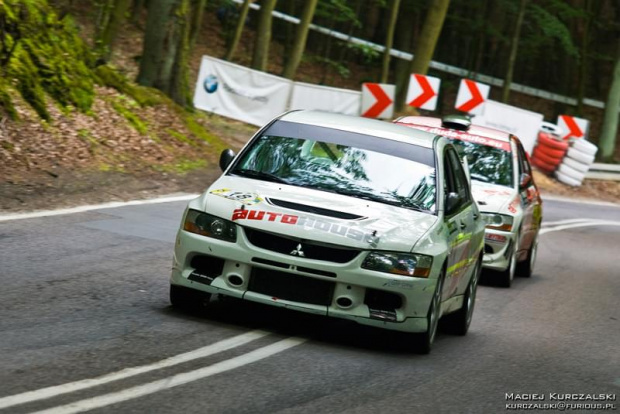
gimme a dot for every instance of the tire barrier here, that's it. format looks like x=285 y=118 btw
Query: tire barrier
x=577 y=162
x=549 y=152
x=577 y=155
x=576 y=165
x=543 y=166
x=547 y=140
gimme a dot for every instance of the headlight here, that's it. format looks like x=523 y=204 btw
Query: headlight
x=498 y=221
x=404 y=264
x=210 y=226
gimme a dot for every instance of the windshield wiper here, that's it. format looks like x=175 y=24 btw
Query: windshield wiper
x=259 y=174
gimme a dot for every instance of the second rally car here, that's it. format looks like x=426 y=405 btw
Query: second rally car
x=503 y=186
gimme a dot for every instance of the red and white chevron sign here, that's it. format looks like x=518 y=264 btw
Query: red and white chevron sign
x=471 y=96
x=573 y=127
x=378 y=100
x=423 y=91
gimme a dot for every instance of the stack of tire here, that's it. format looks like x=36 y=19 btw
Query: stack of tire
x=579 y=158
x=549 y=152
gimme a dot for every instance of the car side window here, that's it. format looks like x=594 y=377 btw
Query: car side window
x=462 y=185
x=524 y=165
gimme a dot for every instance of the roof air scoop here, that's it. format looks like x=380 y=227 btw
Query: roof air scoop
x=458 y=122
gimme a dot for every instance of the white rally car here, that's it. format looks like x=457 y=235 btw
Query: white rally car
x=341 y=216
x=504 y=188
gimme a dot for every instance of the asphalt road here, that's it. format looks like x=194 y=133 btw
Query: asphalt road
x=85 y=295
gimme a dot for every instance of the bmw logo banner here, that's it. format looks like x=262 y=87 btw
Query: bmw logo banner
x=210 y=84
x=240 y=93
x=257 y=97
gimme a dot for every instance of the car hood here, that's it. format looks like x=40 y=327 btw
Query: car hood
x=314 y=215
x=491 y=197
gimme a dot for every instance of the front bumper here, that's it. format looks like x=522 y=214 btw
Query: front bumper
x=497 y=248
x=341 y=290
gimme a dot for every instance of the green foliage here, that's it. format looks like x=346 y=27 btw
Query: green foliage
x=44 y=56
x=368 y=53
x=180 y=137
x=133 y=119
x=105 y=75
x=338 y=67
x=6 y=103
x=337 y=11
x=552 y=27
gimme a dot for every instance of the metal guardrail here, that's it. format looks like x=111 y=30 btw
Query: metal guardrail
x=527 y=90
x=608 y=172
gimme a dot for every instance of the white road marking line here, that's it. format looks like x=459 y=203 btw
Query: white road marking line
x=175 y=380
x=568 y=221
x=580 y=201
x=586 y=224
x=82 y=209
x=49 y=392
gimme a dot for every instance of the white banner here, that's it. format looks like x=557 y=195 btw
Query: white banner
x=520 y=122
x=240 y=93
x=324 y=98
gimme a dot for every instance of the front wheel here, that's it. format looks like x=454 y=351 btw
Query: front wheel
x=526 y=268
x=507 y=276
x=458 y=322
x=425 y=340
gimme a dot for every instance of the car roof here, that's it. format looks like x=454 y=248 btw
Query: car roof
x=360 y=125
x=432 y=122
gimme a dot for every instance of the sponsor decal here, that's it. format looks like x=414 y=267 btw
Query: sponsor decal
x=462 y=136
x=512 y=207
x=245 y=94
x=243 y=197
x=210 y=84
x=309 y=223
x=495 y=237
x=492 y=191
x=398 y=284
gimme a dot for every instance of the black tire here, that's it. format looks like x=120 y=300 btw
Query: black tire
x=187 y=299
x=424 y=341
x=526 y=267
x=458 y=322
x=505 y=278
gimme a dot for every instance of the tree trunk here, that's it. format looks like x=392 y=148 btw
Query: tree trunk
x=583 y=58
x=112 y=14
x=409 y=19
x=514 y=46
x=301 y=35
x=166 y=50
x=385 y=69
x=260 y=56
x=609 y=131
x=239 y=29
x=136 y=11
x=198 y=8
x=425 y=44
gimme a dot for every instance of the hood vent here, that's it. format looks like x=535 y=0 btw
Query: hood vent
x=315 y=210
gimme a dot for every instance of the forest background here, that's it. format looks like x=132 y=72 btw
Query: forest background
x=97 y=92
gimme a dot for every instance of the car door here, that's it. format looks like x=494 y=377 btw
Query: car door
x=460 y=223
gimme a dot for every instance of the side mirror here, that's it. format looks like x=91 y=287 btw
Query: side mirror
x=525 y=180
x=452 y=202
x=226 y=158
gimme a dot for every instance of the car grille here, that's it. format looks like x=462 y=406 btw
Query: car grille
x=289 y=286
x=311 y=250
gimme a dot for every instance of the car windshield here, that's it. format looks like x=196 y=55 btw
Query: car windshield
x=336 y=165
x=487 y=164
